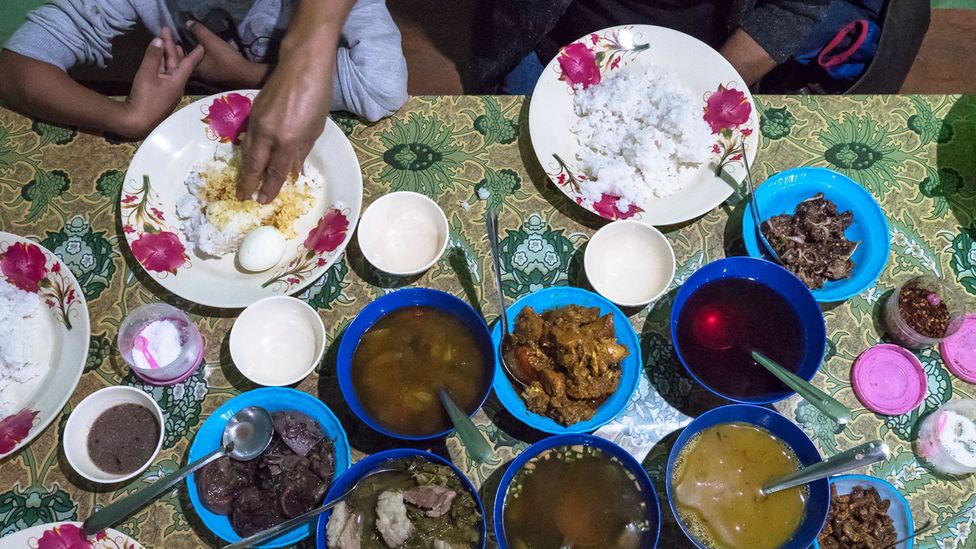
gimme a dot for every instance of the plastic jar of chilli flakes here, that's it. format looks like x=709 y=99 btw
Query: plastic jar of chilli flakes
x=923 y=311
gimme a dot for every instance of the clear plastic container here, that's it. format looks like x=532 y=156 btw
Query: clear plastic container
x=902 y=333
x=947 y=438
x=188 y=358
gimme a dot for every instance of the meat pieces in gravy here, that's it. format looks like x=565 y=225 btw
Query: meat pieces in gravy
x=858 y=520
x=572 y=355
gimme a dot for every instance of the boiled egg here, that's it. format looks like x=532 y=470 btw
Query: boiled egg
x=261 y=249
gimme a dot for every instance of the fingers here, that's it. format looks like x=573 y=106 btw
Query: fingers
x=189 y=62
x=153 y=60
x=279 y=166
x=172 y=59
x=203 y=35
x=180 y=52
x=255 y=152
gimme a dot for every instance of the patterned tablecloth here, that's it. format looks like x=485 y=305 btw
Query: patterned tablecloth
x=917 y=155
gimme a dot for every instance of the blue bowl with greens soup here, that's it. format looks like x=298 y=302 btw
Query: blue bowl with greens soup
x=423 y=501
x=402 y=349
x=717 y=466
x=576 y=490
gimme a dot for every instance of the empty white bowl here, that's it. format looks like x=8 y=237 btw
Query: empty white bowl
x=75 y=439
x=403 y=233
x=277 y=341
x=629 y=262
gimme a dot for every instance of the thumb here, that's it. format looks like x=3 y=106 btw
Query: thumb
x=153 y=59
x=203 y=35
x=189 y=62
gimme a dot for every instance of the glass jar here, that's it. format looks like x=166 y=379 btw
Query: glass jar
x=902 y=332
x=188 y=355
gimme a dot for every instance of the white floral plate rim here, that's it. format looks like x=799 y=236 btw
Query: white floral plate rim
x=642 y=48
x=66 y=534
x=63 y=300
x=151 y=228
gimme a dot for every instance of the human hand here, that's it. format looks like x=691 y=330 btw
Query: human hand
x=158 y=85
x=222 y=63
x=287 y=117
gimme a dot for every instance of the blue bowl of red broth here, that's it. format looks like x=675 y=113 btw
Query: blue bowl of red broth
x=402 y=349
x=733 y=306
x=715 y=470
x=463 y=526
x=577 y=490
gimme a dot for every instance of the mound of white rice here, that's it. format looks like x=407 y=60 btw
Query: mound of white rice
x=17 y=311
x=639 y=134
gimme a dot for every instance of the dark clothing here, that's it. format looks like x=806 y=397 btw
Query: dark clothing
x=513 y=28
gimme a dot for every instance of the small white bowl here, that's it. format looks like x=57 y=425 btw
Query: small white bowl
x=277 y=341
x=76 y=429
x=403 y=233
x=629 y=262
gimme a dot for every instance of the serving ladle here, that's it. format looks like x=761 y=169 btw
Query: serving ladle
x=855 y=458
x=505 y=347
x=246 y=435
x=304 y=517
x=716 y=333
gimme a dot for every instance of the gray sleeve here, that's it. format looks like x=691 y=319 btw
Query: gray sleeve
x=371 y=72
x=66 y=33
x=781 y=26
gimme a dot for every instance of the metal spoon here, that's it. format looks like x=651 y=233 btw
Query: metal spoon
x=754 y=205
x=471 y=437
x=855 y=458
x=246 y=435
x=303 y=518
x=505 y=348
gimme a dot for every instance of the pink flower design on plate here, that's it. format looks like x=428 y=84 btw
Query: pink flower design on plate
x=24 y=266
x=329 y=233
x=14 y=428
x=158 y=213
x=726 y=108
x=128 y=199
x=578 y=64
x=746 y=131
x=65 y=536
x=228 y=116
x=607 y=207
x=594 y=38
x=128 y=229
x=159 y=252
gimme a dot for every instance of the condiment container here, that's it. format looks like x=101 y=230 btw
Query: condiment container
x=629 y=262
x=899 y=328
x=403 y=233
x=79 y=424
x=140 y=334
x=947 y=437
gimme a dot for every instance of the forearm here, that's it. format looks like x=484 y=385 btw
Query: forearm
x=747 y=56
x=250 y=75
x=41 y=90
x=312 y=39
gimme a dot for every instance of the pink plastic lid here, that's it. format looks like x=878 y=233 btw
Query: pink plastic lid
x=889 y=380
x=959 y=350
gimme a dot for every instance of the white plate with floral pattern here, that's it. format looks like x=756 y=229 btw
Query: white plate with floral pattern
x=727 y=106
x=154 y=183
x=33 y=268
x=66 y=535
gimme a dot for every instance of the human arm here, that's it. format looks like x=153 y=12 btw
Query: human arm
x=770 y=33
x=223 y=64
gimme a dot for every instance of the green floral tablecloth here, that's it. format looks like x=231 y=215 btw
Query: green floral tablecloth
x=917 y=155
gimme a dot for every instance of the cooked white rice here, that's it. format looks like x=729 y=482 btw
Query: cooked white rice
x=640 y=134
x=18 y=312
x=218 y=229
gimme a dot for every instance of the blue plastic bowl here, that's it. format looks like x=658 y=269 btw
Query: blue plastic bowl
x=782 y=282
x=609 y=448
x=361 y=468
x=781 y=193
x=273 y=399
x=819 y=492
x=899 y=511
x=409 y=297
x=630 y=368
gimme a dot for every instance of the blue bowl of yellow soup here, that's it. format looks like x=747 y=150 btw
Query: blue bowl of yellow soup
x=602 y=497
x=379 y=459
x=817 y=493
x=272 y=399
x=781 y=193
x=631 y=367
x=399 y=367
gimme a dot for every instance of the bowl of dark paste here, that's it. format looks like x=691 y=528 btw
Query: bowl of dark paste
x=113 y=434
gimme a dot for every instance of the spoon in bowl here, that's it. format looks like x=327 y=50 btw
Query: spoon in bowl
x=754 y=206
x=856 y=458
x=471 y=437
x=506 y=354
x=246 y=436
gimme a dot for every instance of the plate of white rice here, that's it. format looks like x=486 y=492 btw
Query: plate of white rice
x=184 y=224
x=44 y=337
x=643 y=122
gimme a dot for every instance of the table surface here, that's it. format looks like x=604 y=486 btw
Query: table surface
x=916 y=154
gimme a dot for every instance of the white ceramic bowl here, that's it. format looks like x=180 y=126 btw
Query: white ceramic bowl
x=75 y=439
x=403 y=233
x=629 y=262
x=277 y=341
